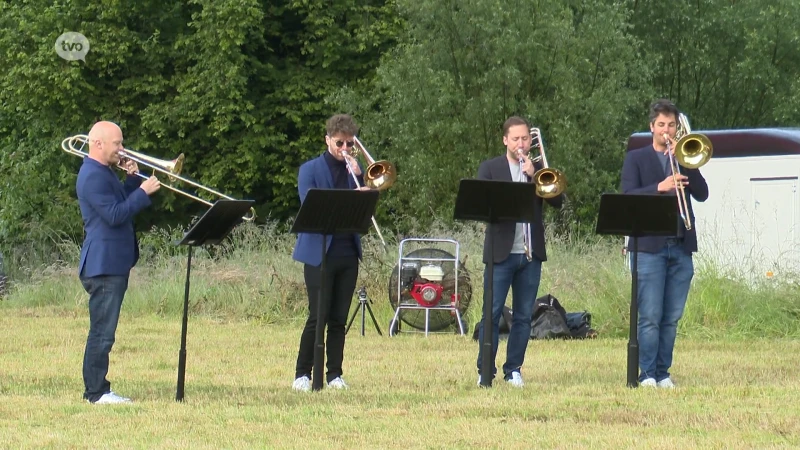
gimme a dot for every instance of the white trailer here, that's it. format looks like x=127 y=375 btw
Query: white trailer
x=748 y=226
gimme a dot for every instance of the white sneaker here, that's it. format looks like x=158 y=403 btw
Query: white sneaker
x=666 y=383
x=302 y=384
x=111 y=398
x=516 y=380
x=648 y=382
x=337 y=383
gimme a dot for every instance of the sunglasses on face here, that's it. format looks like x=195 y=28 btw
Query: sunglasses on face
x=350 y=144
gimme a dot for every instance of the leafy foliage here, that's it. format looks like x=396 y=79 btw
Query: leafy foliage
x=243 y=87
x=235 y=85
x=726 y=64
x=464 y=67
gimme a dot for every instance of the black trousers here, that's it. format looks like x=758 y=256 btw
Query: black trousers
x=340 y=282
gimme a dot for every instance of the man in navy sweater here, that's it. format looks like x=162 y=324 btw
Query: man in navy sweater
x=328 y=171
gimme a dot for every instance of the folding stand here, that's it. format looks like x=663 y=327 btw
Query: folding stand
x=363 y=307
x=327 y=212
x=493 y=202
x=211 y=229
x=636 y=215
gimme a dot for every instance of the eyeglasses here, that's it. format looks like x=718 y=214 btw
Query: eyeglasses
x=350 y=144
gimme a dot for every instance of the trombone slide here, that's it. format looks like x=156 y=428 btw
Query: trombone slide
x=169 y=168
x=348 y=159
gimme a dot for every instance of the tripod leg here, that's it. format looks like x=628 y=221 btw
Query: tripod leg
x=352 y=318
x=363 y=315
x=375 y=322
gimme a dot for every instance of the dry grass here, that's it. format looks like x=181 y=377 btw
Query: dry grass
x=253 y=277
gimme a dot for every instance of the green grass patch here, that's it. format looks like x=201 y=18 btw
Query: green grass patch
x=406 y=391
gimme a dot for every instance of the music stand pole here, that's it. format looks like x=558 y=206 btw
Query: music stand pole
x=633 y=333
x=488 y=326
x=319 y=339
x=184 y=329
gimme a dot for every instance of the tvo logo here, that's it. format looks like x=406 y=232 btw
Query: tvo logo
x=72 y=46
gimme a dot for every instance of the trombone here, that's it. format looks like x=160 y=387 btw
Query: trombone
x=549 y=183
x=693 y=150
x=171 y=168
x=379 y=175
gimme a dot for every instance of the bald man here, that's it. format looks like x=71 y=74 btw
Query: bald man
x=109 y=248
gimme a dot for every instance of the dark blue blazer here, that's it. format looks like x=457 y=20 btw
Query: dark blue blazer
x=641 y=173
x=315 y=174
x=108 y=207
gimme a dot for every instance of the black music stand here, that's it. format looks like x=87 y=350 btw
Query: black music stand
x=636 y=215
x=210 y=229
x=327 y=212
x=493 y=202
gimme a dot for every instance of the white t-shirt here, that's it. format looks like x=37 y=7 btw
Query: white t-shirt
x=519 y=238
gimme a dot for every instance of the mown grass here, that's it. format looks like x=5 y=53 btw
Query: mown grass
x=407 y=391
x=736 y=360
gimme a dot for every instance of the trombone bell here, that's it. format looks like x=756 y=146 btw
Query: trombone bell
x=549 y=182
x=380 y=175
x=693 y=150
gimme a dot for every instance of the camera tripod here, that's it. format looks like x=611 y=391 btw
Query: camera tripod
x=363 y=306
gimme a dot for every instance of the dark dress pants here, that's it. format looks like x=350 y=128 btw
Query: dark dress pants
x=340 y=283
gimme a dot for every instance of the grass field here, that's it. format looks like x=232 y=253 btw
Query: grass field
x=406 y=391
x=736 y=362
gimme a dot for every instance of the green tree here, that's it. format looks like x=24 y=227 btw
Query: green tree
x=727 y=64
x=441 y=96
x=238 y=86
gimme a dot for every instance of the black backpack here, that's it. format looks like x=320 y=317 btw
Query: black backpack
x=580 y=324
x=505 y=324
x=549 y=319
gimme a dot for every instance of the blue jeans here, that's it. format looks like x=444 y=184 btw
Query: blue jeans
x=523 y=277
x=105 y=301
x=663 y=285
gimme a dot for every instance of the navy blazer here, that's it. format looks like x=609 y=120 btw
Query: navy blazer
x=503 y=233
x=315 y=174
x=641 y=173
x=108 y=207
